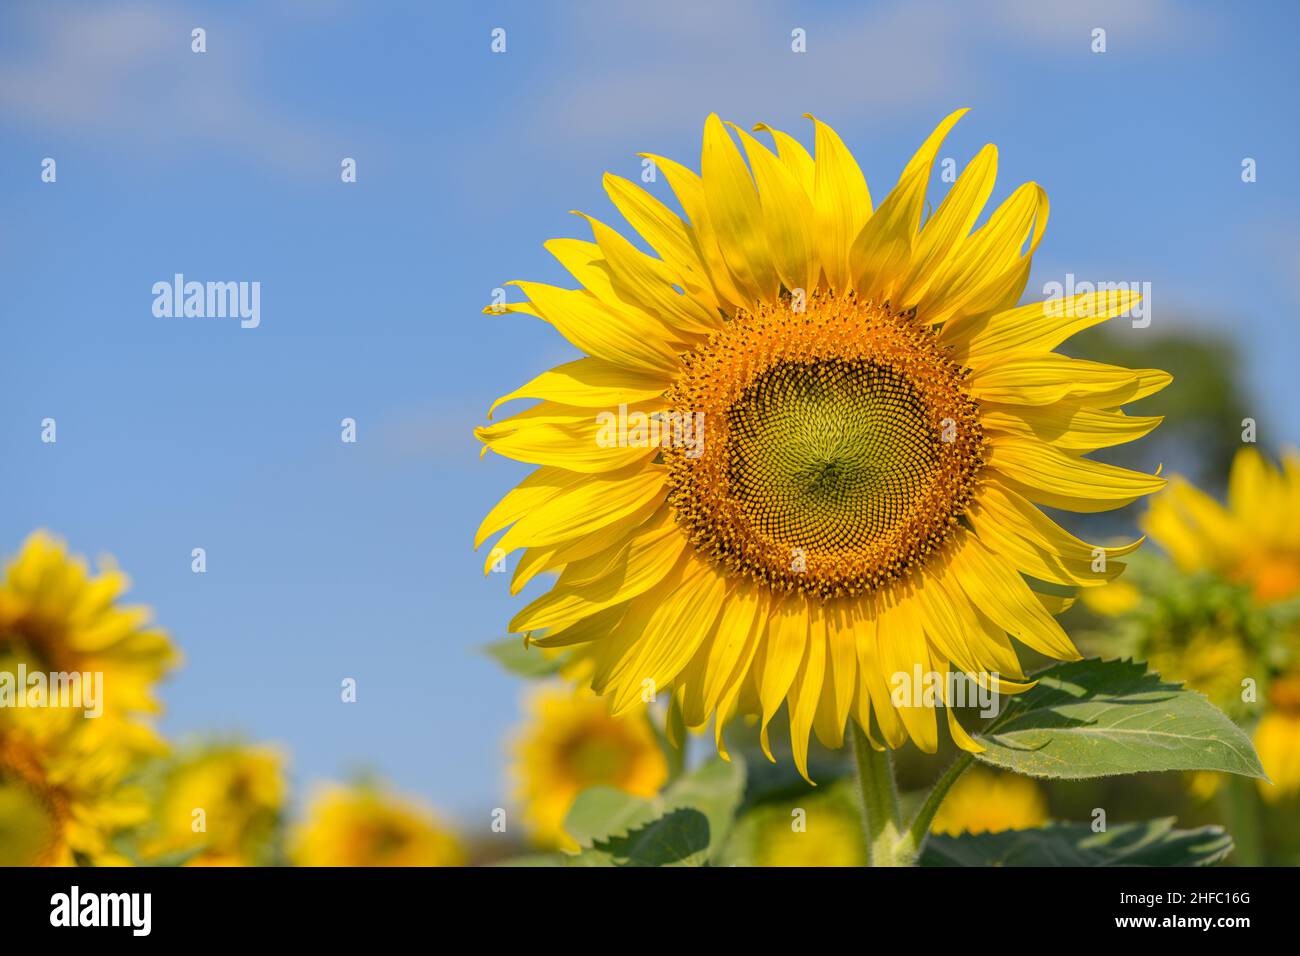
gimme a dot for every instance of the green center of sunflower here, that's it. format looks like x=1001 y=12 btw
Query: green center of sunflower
x=829 y=454
x=840 y=448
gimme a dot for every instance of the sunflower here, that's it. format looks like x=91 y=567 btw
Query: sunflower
x=55 y=617
x=63 y=797
x=1211 y=660
x=1253 y=540
x=807 y=443
x=984 y=801
x=1277 y=739
x=362 y=826
x=65 y=790
x=569 y=742
x=220 y=806
x=823 y=829
x=1229 y=612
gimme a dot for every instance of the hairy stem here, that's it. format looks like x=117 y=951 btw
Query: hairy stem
x=887 y=843
x=919 y=828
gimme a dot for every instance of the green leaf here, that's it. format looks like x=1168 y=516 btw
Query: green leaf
x=1149 y=843
x=766 y=781
x=616 y=828
x=522 y=661
x=679 y=838
x=715 y=789
x=1096 y=718
x=598 y=812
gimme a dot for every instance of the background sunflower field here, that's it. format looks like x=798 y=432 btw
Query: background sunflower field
x=305 y=663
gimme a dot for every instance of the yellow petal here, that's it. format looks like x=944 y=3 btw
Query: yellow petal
x=841 y=679
x=642 y=563
x=743 y=617
x=625 y=337
x=553 y=557
x=900 y=642
x=1070 y=426
x=806 y=691
x=1049 y=378
x=951 y=224
x=990 y=267
x=841 y=200
x=1049 y=477
x=664 y=231
x=586 y=507
x=1001 y=594
x=689 y=190
x=648 y=283
x=584 y=630
x=783 y=652
x=685 y=619
x=1036 y=327
x=787 y=216
x=590 y=383
x=881 y=252
x=872 y=687
x=1020 y=516
x=963 y=740
x=570 y=437
x=1033 y=560
x=994 y=662
x=791 y=152
x=539 y=487
x=735 y=213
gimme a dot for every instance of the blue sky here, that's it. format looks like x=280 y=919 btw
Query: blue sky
x=328 y=560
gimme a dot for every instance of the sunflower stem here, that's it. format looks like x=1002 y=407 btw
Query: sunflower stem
x=919 y=829
x=1240 y=807
x=887 y=842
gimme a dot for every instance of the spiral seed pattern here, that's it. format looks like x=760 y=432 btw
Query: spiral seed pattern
x=840 y=447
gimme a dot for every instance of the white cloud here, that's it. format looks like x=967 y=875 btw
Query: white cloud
x=1129 y=24
x=646 y=66
x=126 y=73
x=642 y=67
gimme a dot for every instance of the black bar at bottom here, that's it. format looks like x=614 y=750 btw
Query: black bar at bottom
x=225 y=905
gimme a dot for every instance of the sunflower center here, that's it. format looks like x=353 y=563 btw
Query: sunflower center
x=828 y=454
x=597 y=758
x=839 y=446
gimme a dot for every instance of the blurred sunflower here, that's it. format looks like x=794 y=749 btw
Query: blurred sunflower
x=1212 y=660
x=840 y=429
x=220 y=806
x=56 y=617
x=1229 y=612
x=984 y=801
x=1277 y=740
x=568 y=742
x=1253 y=540
x=62 y=798
x=65 y=777
x=824 y=830
x=362 y=826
